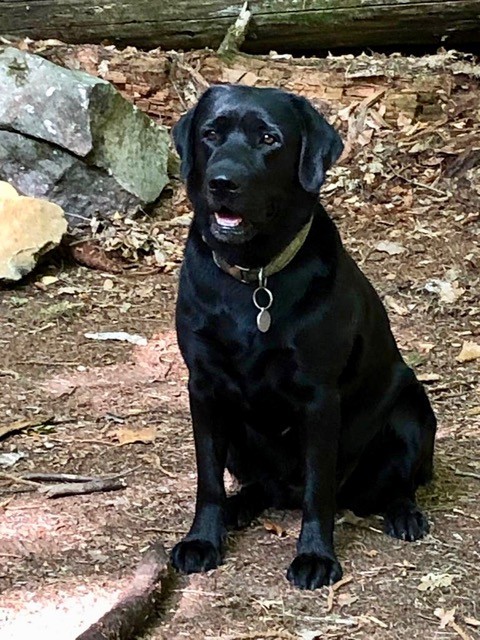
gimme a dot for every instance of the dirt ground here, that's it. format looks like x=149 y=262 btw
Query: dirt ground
x=406 y=197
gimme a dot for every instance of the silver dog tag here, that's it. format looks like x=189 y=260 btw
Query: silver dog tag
x=264 y=320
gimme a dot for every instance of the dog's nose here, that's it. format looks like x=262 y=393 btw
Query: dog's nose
x=222 y=184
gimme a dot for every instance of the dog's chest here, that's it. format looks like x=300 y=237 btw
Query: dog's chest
x=271 y=397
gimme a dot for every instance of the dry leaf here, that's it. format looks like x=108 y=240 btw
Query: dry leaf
x=392 y=248
x=125 y=435
x=429 y=377
x=448 y=292
x=474 y=411
x=47 y=280
x=472 y=622
x=250 y=79
x=9 y=459
x=232 y=75
x=433 y=581
x=92 y=256
x=425 y=347
x=470 y=351
x=108 y=285
x=446 y=617
x=396 y=307
x=274 y=528
x=346 y=599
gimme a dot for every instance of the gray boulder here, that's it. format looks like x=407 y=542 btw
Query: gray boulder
x=41 y=170
x=96 y=137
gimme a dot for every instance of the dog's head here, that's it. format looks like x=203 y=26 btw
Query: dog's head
x=253 y=158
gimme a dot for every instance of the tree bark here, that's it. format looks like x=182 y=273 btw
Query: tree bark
x=284 y=25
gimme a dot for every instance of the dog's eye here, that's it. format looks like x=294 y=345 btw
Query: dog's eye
x=210 y=134
x=267 y=138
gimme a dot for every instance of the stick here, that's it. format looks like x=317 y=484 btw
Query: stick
x=12 y=478
x=420 y=185
x=82 y=488
x=130 y=616
x=195 y=75
x=235 y=35
x=468 y=474
x=256 y=635
x=57 y=477
x=460 y=631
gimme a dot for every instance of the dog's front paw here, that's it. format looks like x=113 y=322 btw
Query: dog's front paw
x=194 y=556
x=406 y=522
x=312 y=571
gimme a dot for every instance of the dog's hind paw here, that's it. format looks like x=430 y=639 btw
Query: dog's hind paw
x=312 y=571
x=405 y=521
x=194 y=556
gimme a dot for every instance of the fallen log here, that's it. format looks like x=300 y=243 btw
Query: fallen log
x=284 y=25
x=136 y=607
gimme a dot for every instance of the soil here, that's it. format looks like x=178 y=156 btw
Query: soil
x=410 y=179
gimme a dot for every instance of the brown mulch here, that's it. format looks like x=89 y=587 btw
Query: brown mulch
x=406 y=197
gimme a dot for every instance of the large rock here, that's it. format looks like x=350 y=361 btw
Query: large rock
x=29 y=227
x=85 y=117
x=44 y=171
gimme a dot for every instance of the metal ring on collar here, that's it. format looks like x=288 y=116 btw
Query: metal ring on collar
x=269 y=295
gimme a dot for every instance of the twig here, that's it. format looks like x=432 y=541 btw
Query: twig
x=57 y=477
x=235 y=35
x=460 y=631
x=82 y=488
x=182 y=101
x=414 y=183
x=467 y=474
x=68 y=484
x=10 y=372
x=176 y=532
x=132 y=613
x=369 y=101
x=50 y=363
x=195 y=75
x=122 y=474
x=21 y=480
x=256 y=635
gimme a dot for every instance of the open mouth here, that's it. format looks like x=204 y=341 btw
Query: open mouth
x=230 y=226
x=227 y=219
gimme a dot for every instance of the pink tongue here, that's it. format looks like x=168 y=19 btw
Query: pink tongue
x=228 y=221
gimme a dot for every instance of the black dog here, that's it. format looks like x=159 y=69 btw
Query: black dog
x=296 y=383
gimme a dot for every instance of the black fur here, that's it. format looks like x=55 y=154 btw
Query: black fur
x=321 y=411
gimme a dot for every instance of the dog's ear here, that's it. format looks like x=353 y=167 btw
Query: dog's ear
x=182 y=134
x=321 y=146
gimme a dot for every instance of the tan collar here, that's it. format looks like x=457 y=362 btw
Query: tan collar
x=279 y=262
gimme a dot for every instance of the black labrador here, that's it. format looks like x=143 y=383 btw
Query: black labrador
x=296 y=383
